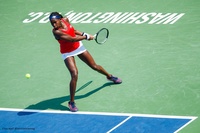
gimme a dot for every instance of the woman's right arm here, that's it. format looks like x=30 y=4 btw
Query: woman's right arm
x=59 y=35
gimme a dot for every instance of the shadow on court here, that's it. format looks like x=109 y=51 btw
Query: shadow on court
x=56 y=103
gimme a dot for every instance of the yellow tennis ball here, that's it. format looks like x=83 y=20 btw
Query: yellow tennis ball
x=28 y=75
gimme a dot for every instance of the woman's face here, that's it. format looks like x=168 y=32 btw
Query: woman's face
x=56 y=23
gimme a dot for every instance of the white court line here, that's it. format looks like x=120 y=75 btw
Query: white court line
x=110 y=114
x=119 y=124
x=99 y=113
x=184 y=125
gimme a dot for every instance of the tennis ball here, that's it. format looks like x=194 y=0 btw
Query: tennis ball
x=28 y=75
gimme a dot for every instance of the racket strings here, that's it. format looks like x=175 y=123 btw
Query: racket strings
x=102 y=36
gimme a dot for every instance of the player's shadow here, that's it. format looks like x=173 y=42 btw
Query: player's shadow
x=56 y=103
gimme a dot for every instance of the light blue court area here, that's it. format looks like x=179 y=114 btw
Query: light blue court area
x=18 y=120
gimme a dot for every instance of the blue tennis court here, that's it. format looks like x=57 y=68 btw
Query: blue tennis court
x=17 y=120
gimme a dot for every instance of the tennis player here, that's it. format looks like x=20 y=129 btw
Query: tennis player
x=70 y=46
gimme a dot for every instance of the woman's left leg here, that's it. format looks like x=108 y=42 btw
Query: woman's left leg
x=88 y=59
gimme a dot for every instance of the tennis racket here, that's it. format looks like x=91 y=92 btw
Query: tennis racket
x=101 y=36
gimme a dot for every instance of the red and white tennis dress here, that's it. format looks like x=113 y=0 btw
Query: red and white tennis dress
x=67 y=48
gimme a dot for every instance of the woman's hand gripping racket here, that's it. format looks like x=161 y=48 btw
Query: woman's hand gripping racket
x=101 y=36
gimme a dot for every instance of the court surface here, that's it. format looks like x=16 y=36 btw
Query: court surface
x=153 y=47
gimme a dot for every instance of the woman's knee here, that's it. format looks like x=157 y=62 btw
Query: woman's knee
x=74 y=74
x=95 y=67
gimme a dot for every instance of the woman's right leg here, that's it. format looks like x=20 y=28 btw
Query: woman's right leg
x=71 y=65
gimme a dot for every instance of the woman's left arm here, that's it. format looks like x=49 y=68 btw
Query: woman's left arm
x=78 y=32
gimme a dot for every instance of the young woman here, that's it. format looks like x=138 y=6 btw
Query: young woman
x=70 y=46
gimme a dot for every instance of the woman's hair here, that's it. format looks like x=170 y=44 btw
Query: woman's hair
x=55 y=15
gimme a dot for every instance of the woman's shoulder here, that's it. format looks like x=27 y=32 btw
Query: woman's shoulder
x=56 y=34
x=66 y=19
x=56 y=30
